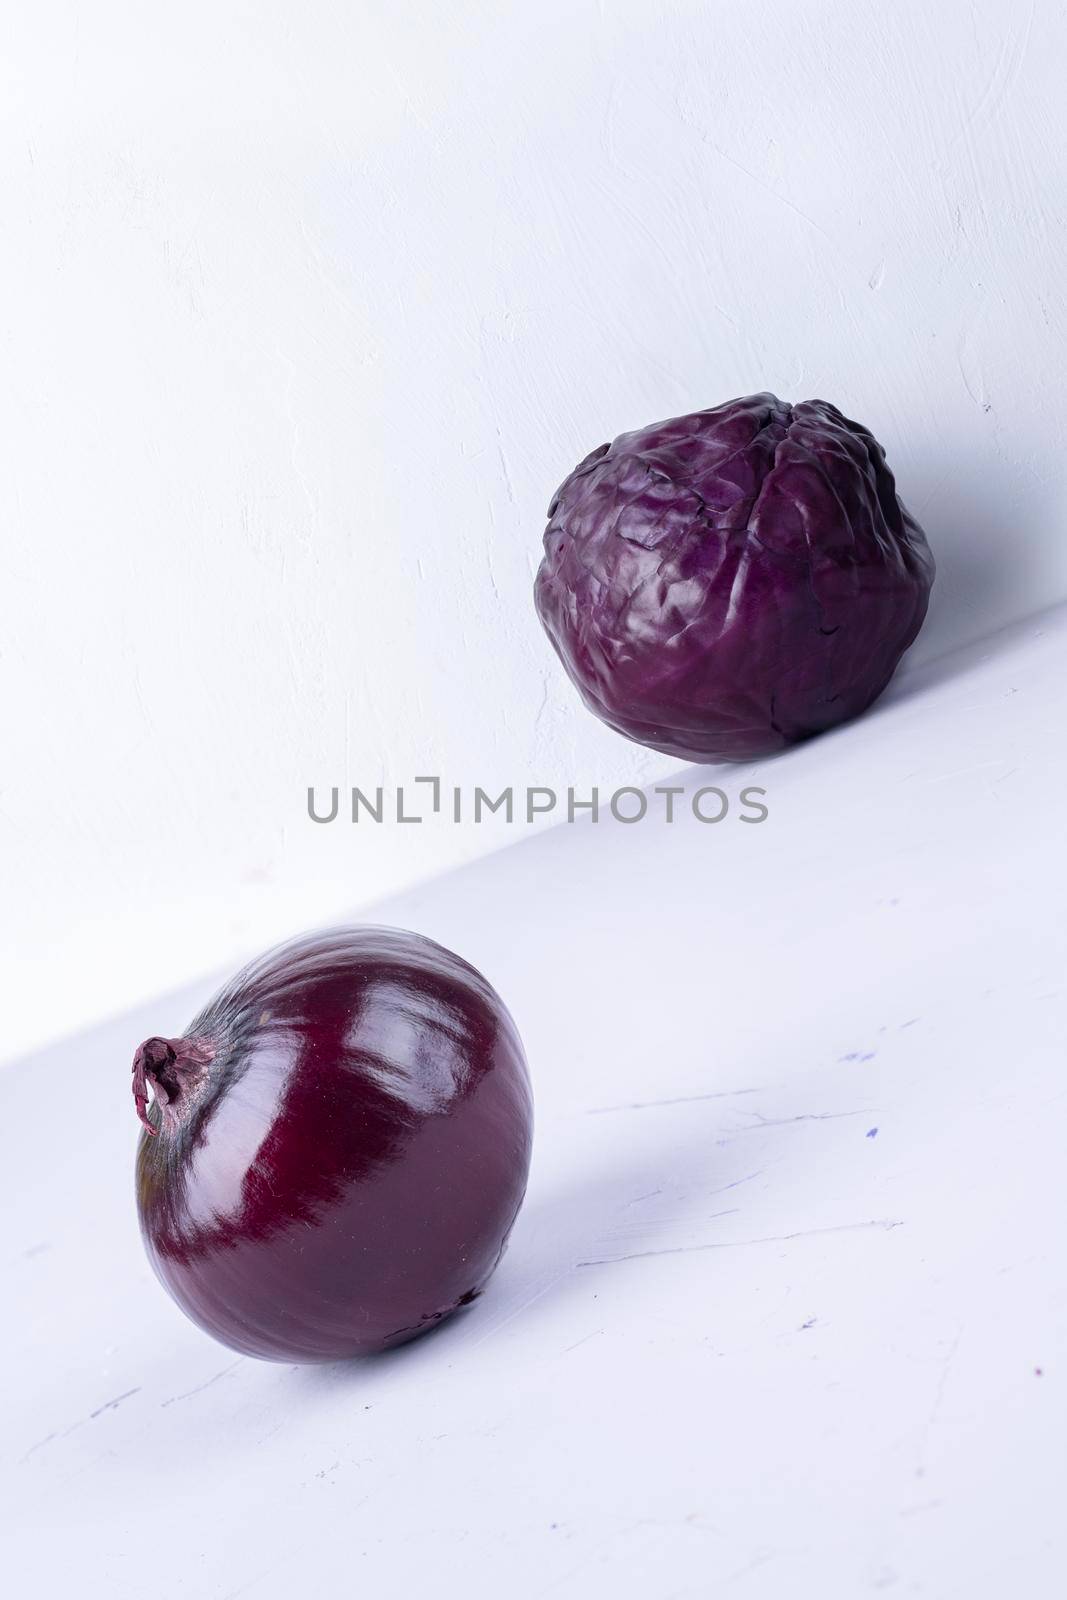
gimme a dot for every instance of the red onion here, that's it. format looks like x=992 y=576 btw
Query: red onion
x=337 y=1149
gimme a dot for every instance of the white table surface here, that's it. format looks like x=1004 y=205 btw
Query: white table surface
x=786 y=1310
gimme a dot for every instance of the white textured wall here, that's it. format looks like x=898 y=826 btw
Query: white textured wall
x=306 y=310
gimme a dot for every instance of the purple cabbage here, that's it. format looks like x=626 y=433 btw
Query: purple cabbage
x=724 y=584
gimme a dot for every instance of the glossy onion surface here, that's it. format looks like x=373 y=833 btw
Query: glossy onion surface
x=723 y=584
x=335 y=1153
